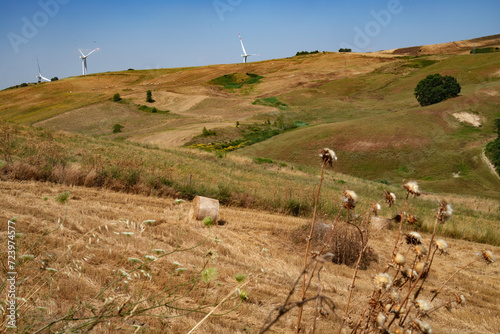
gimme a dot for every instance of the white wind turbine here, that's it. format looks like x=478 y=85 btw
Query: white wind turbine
x=245 y=54
x=39 y=76
x=83 y=57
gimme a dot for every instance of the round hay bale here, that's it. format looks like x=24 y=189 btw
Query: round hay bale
x=344 y=247
x=205 y=207
x=380 y=223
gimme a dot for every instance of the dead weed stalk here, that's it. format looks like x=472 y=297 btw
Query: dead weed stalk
x=397 y=303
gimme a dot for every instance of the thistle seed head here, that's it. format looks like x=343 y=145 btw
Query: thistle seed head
x=390 y=198
x=422 y=305
x=399 y=259
x=488 y=256
x=381 y=319
x=444 y=212
x=350 y=199
x=419 y=267
x=412 y=188
x=376 y=208
x=383 y=281
x=460 y=299
x=328 y=156
x=399 y=330
x=394 y=295
x=420 y=250
x=413 y=238
x=422 y=326
x=412 y=219
x=409 y=273
x=441 y=245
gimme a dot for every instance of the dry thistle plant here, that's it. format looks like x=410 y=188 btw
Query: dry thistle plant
x=327 y=156
x=397 y=303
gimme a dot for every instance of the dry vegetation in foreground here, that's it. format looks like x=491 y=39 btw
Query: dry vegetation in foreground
x=252 y=243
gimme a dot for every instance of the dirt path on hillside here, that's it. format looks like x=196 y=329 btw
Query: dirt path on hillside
x=489 y=164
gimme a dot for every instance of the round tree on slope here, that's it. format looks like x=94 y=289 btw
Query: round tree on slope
x=436 y=88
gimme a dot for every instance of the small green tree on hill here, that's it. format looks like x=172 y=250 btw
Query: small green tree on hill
x=116 y=97
x=117 y=128
x=436 y=88
x=149 y=97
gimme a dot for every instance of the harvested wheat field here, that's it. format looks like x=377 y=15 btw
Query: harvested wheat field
x=106 y=262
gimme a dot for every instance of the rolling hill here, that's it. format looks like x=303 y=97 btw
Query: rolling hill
x=361 y=105
x=103 y=246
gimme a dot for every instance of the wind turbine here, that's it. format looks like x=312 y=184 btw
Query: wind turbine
x=39 y=76
x=245 y=54
x=83 y=57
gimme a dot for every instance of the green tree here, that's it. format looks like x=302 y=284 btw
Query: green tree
x=117 y=128
x=149 y=97
x=436 y=88
x=116 y=97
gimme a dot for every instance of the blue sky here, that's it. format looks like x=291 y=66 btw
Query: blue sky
x=163 y=34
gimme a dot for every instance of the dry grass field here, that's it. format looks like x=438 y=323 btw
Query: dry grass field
x=91 y=246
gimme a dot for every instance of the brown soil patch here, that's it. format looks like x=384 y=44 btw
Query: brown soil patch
x=468 y=118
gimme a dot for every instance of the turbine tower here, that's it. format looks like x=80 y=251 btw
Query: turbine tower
x=83 y=57
x=245 y=54
x=39 y=76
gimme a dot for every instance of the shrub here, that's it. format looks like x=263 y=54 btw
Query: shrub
x=236 y=80
x=344 y=50
x=117 y=128
x=259 y=161
x=149 y=97
x=484 y=50
x=436 y=88
x=270 y=102
x=301 y=53
x=116 y=97
x=206 y=133
x=54 y=79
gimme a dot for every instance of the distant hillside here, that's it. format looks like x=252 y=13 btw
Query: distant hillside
x=450 y=48
x=359 y=104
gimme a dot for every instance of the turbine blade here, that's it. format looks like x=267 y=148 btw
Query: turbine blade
x=39 y=72
x=96 y=49
x=44 y=78
x=81 y=52
x=242 y=45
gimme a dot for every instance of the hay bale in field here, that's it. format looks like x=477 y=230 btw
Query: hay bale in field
x=379 y=223
x=205 y=207
x=344 y=247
